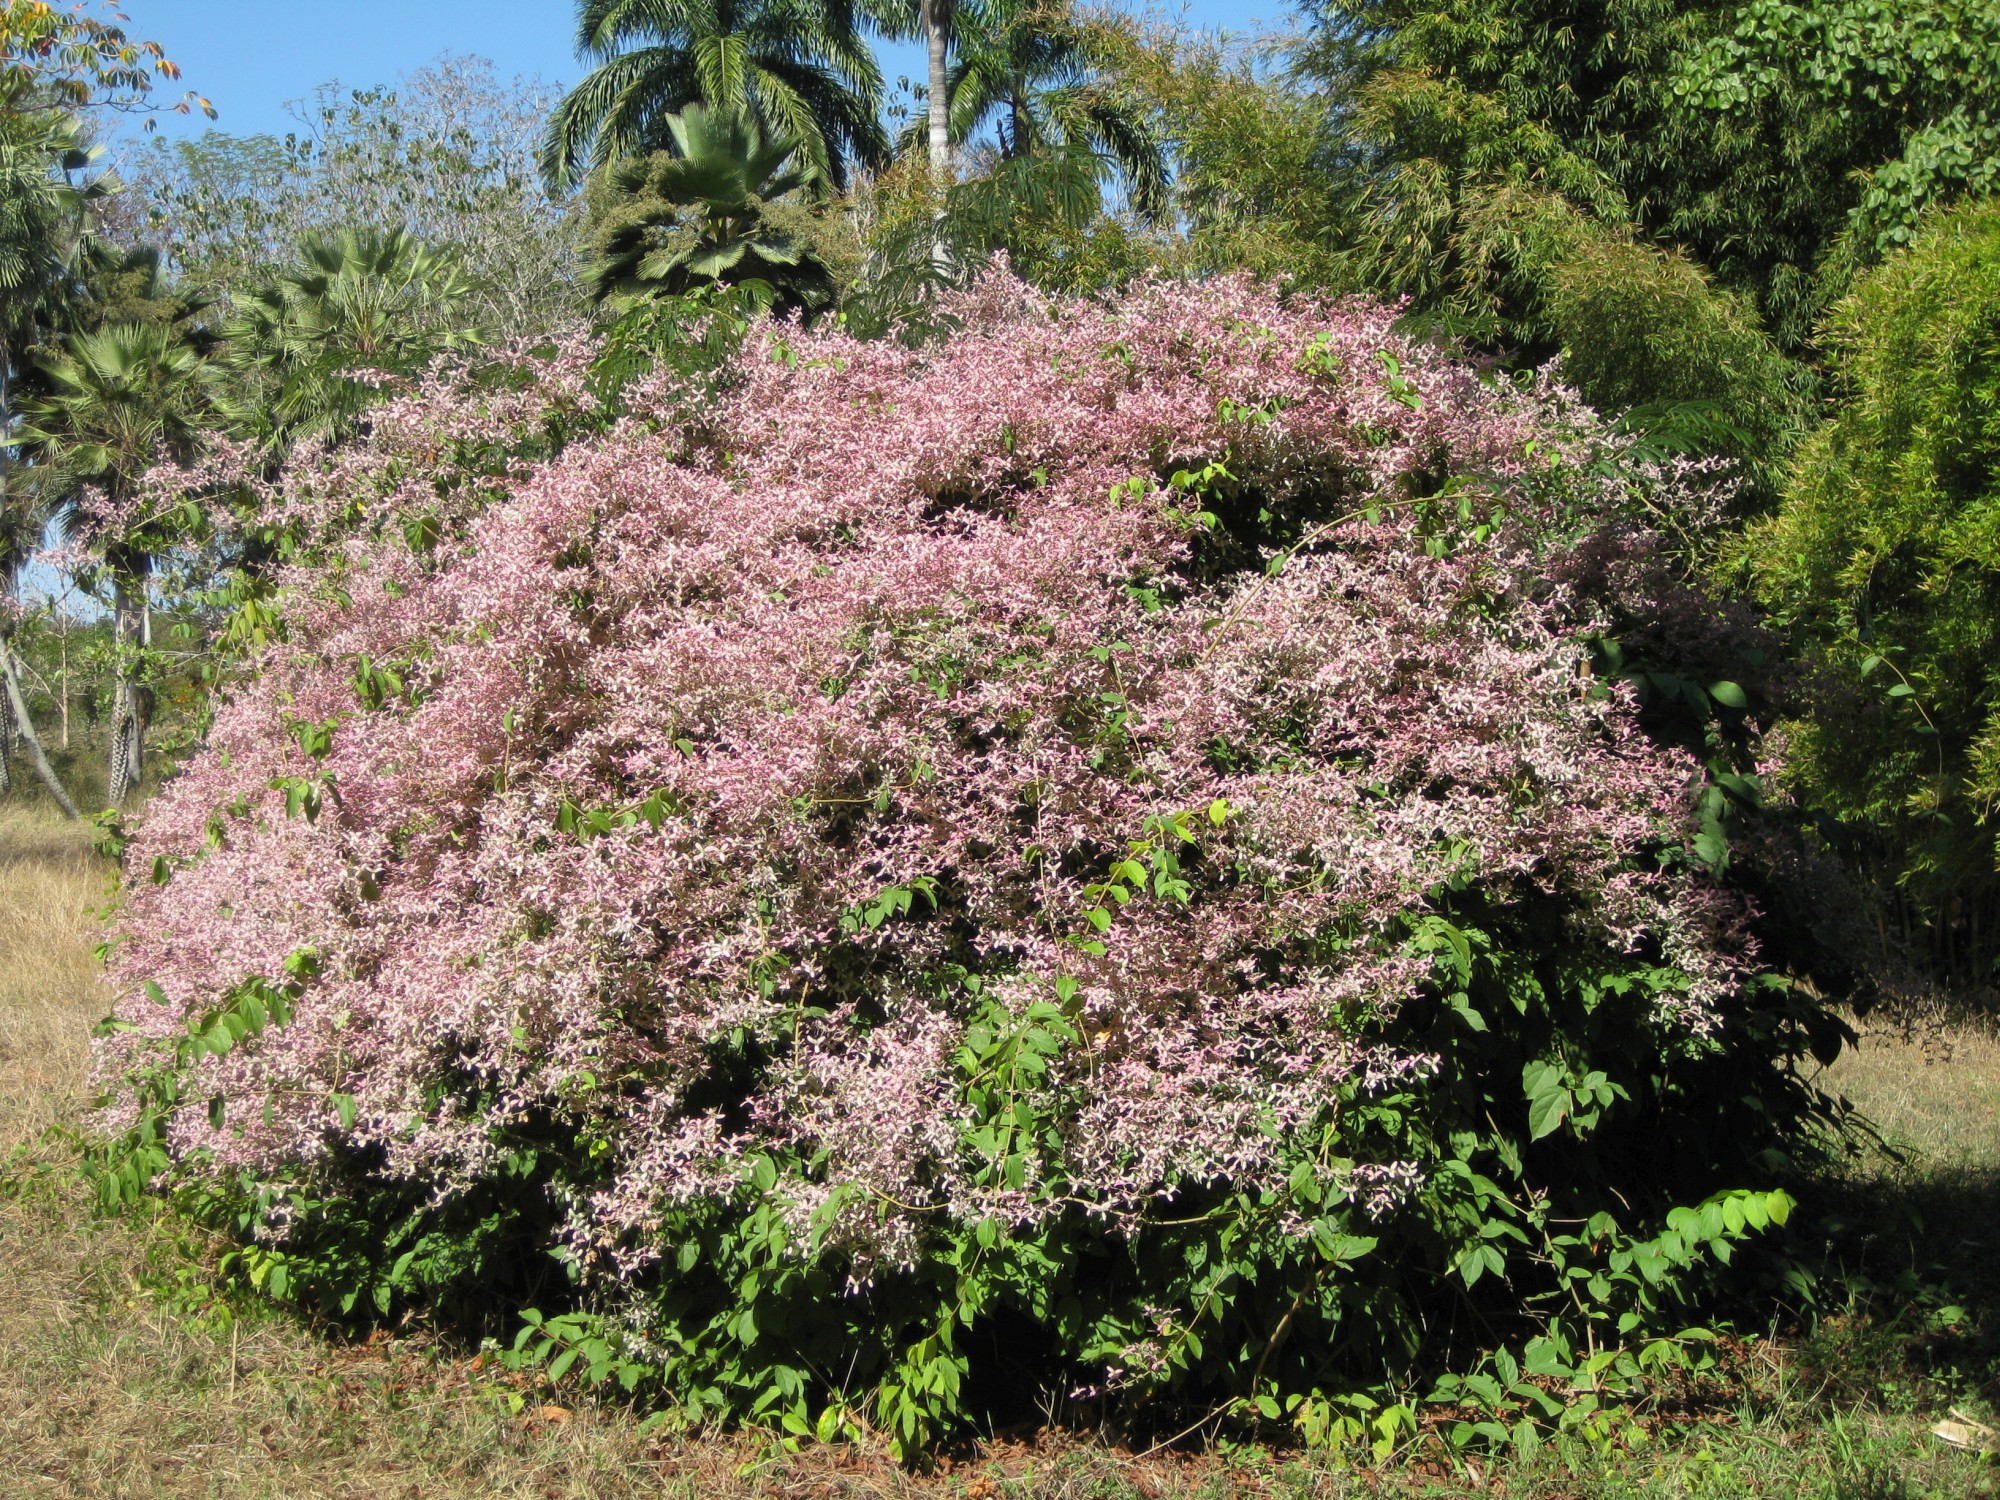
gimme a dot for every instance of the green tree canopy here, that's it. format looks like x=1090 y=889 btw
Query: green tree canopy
x=450 y=154
x=1917 y=79
x=118 y=402
x=1437 y=108
x=1884 y=564
x=1040 y=78
x=317 y=341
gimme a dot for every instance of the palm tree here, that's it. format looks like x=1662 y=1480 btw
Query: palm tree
x=1036 y=77
x=695 y=217
x=119 y=401
x=799 y=66
x=934 y=23
x=316 y=342
x=45 y=226
x=1042 y=82
x=45 y=217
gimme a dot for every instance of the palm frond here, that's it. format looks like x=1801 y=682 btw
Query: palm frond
x=727 y=53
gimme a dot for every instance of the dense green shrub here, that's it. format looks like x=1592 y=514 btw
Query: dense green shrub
x=1884 y=565
x=1085 y=866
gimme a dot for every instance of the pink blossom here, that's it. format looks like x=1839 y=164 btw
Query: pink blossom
x=880 y=618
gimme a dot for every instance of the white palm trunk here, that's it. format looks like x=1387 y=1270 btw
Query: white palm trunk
x=936 y=17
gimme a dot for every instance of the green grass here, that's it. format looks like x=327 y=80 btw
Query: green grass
x=125 y=1372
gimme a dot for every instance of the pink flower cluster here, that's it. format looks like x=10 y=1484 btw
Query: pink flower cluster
x=941 y=622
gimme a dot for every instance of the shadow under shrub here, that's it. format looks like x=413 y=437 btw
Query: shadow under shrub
x=1081 y=868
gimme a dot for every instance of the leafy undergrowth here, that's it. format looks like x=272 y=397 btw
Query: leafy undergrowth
x=123 y=1373
x=127 y=1369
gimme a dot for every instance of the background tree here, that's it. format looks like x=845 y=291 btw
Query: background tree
x=1062 y=169
x=1528 y=175
x=799 y=66
x=119 y=401
x=75 y=61
x=55 y=64
x=1432 y=109
x=316 y=343
x=450 y=155
x=1883 y=563
x=1038 y=77
x=44 y=226
x=1916 y=81
x=1244 y=136
x=935 y=24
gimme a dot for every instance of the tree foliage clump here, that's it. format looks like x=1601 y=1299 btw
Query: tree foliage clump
x=1916 y=78
x=1448 y=117
x=315 y=342
x=800 y=67
x=1884 y=564
x=449 y=156
x=1086 y=859
x=707 y=213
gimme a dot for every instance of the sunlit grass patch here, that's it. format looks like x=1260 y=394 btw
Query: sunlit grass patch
x=50 y=992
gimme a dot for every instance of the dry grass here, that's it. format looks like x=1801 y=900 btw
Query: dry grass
x=49 y=992
x=125 y=1376
x=1933 y=1092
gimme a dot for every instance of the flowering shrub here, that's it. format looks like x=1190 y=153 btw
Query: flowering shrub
x=1089 y=858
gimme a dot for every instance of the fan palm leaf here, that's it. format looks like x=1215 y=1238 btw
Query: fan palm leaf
x=118 y=402
x=694 y=216
x=317 y=341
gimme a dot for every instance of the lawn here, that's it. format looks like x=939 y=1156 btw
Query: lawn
x=125 y=1372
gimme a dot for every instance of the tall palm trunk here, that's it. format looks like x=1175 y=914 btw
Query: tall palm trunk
x=131 y=629
x=10 y=576
x=6 y=744
x=935 y=16
x=6 y=734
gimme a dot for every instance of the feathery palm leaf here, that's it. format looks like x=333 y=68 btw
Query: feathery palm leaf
x=1037 y=78
x=44 y=212
x=799 y=66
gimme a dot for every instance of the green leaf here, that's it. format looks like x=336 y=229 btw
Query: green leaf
x=1545 y=1114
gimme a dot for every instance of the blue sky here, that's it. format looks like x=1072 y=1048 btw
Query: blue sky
x=250 y=57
